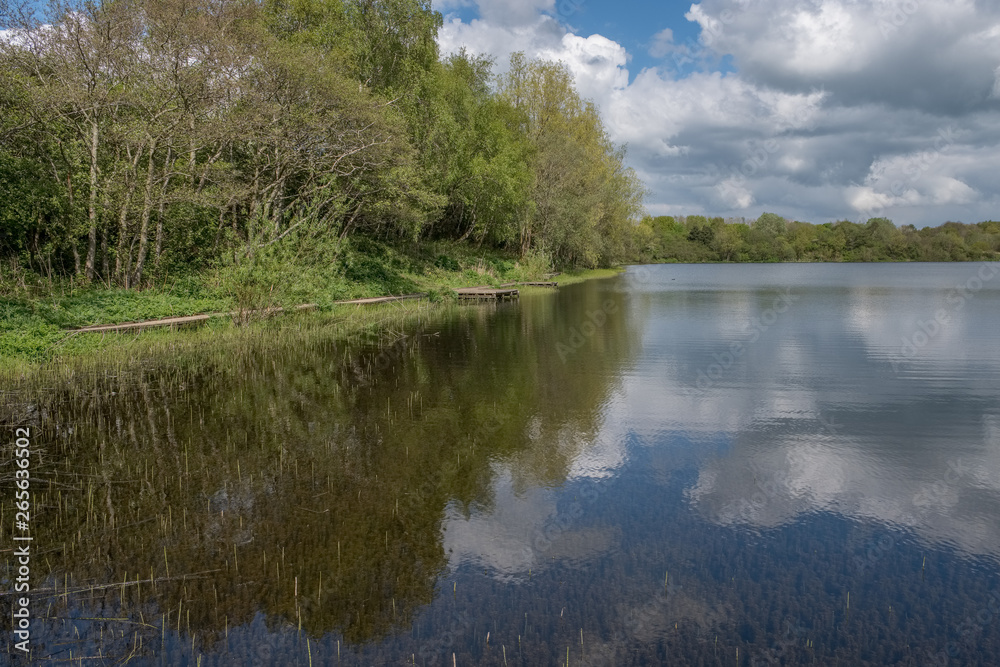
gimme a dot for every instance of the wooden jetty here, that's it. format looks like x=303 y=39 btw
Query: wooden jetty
x=487 y=293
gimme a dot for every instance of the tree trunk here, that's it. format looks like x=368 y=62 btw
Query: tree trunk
x=159 y=215
x=105 y=275
x=525 y=238
x=472 y=225
x=147 y=208
x=92 y=204
x=76 y=258
x=105 y=256
x=122 y=268
x=192 y=152
x=349 y=223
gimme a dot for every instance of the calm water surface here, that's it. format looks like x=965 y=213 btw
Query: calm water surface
x=685 y=465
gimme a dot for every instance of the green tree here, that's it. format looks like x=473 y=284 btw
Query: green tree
x=770 y=225
x=731 y=242
x=472 y=154
x=585 y=201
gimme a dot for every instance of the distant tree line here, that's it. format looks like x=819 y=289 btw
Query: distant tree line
x=771 y=238
x=144 y=136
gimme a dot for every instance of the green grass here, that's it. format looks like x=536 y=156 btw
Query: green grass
x=127 y=351
x=36 y=320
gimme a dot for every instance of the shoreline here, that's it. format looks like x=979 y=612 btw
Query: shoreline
x=83 y=350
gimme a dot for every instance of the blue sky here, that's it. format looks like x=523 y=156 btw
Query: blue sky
x=632 y=23
x=815 y=109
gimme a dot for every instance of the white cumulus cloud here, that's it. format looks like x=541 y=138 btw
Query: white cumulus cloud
x=663 y=43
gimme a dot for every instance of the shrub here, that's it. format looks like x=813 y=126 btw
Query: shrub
x=447 y=263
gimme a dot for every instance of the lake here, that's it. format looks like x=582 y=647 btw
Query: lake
x=773 y=464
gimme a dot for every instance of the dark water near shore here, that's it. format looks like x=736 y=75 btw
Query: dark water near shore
x=685 y=465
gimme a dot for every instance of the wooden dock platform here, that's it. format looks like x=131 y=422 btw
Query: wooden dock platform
x=487 y=293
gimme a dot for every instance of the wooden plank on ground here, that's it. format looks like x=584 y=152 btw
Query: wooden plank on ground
x=166 y=322
x=380 y=299
x=187 y=319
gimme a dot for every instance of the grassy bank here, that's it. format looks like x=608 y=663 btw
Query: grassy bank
x=37 y=316
x=119 y=354
x=578 y=276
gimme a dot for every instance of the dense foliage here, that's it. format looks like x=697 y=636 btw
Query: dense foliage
x=771 y=238
x=140 y=137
